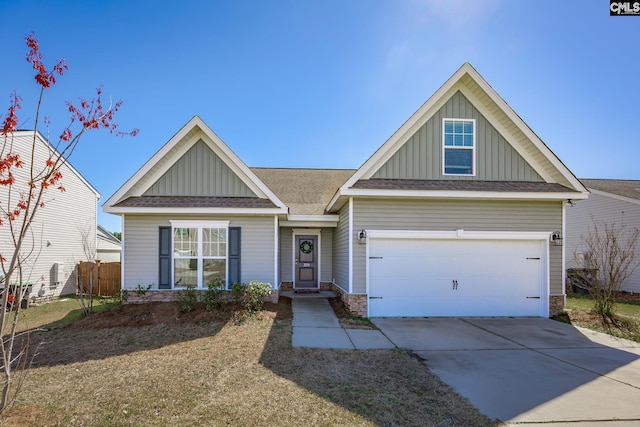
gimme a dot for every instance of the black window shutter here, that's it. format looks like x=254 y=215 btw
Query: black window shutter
x=164 y=278
x=234 y=256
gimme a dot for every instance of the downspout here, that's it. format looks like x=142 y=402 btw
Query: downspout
x=350 y=245
x=276 y=284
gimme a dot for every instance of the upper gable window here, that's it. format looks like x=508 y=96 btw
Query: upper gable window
x=458 y=146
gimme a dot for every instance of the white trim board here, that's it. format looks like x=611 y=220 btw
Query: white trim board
x=459 y=234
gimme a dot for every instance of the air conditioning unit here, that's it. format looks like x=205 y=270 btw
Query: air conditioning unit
x=57 y=273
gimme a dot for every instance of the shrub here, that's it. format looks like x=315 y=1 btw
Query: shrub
x=188 y=298
x=254 y=295
x=237 y=291
x=123 y=297
x=212 y=297
x=141 y=291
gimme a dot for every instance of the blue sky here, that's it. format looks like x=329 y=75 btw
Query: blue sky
x=324 y=83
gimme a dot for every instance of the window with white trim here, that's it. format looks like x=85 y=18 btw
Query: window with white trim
x=199 y=253
x=458 y=146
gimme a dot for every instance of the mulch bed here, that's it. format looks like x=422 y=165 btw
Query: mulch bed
x=154 y=313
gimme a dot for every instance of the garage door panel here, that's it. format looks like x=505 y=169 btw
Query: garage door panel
x=452 y=306
x=428 y=277
x=412 y=289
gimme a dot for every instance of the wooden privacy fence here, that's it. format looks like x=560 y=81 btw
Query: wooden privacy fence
x=106 y=278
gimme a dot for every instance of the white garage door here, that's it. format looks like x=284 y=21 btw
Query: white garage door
x=427 y=277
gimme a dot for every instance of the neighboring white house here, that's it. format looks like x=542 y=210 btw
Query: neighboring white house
x=613 y=201
x=63 y=232
x=109 y=247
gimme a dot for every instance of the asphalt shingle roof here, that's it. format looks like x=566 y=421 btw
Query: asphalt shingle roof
x=622 y=187
x=194 y=202
x=304 y=191
x=460 y=185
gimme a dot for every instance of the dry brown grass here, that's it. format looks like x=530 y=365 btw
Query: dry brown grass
x=222 y=373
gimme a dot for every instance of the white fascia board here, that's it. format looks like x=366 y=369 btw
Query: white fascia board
x=615 y=196
x=163 y=151
x=386 y=150
x=226 y=211
x=311 y=221
x=459 y=234
x=526 y=130
x=216 y=144
x=314 y=224
x=239 y=167
x=463 y=194
x=316 y=218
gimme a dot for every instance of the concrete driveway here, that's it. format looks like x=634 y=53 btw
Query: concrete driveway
x=526 y=370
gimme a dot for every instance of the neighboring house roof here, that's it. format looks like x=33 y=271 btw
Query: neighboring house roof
x=627 y=188
x=106 y=236
x=500 y=115
x=107 y=242
x=45 y=142
x=304 y=191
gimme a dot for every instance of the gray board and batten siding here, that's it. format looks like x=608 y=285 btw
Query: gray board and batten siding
x=140 y=252
x=446 y=215
x=200 y=172
x=341 y=249
x=421 y=156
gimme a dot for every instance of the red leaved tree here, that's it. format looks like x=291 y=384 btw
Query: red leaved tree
x=25 y=181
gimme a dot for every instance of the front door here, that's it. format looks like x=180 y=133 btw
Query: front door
x=306 y=262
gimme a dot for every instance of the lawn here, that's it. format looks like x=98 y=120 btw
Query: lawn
x=167 y=368
x=625 y=324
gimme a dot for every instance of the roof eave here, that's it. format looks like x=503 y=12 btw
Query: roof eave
x=449 y=194
x=182 y=210
x=615 y=196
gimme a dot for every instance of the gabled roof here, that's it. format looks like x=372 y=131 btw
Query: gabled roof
x=130 y=197
x=106 y=236
x=305 y=191
x=469 y=82
x=626 y=188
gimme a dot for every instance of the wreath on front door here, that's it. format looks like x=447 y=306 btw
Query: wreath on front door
x=306 y=246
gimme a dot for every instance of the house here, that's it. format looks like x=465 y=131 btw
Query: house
x=109 y=247
x=62 y=233
x=612 y=201
x=458 y=213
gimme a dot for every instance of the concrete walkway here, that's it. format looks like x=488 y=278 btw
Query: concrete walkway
x=315 y=325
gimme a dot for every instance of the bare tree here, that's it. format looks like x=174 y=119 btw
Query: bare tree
x=25 y=179
x=90 y=249
x=610 y=257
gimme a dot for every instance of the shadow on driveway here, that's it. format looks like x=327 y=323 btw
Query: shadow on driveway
x=527 y=369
